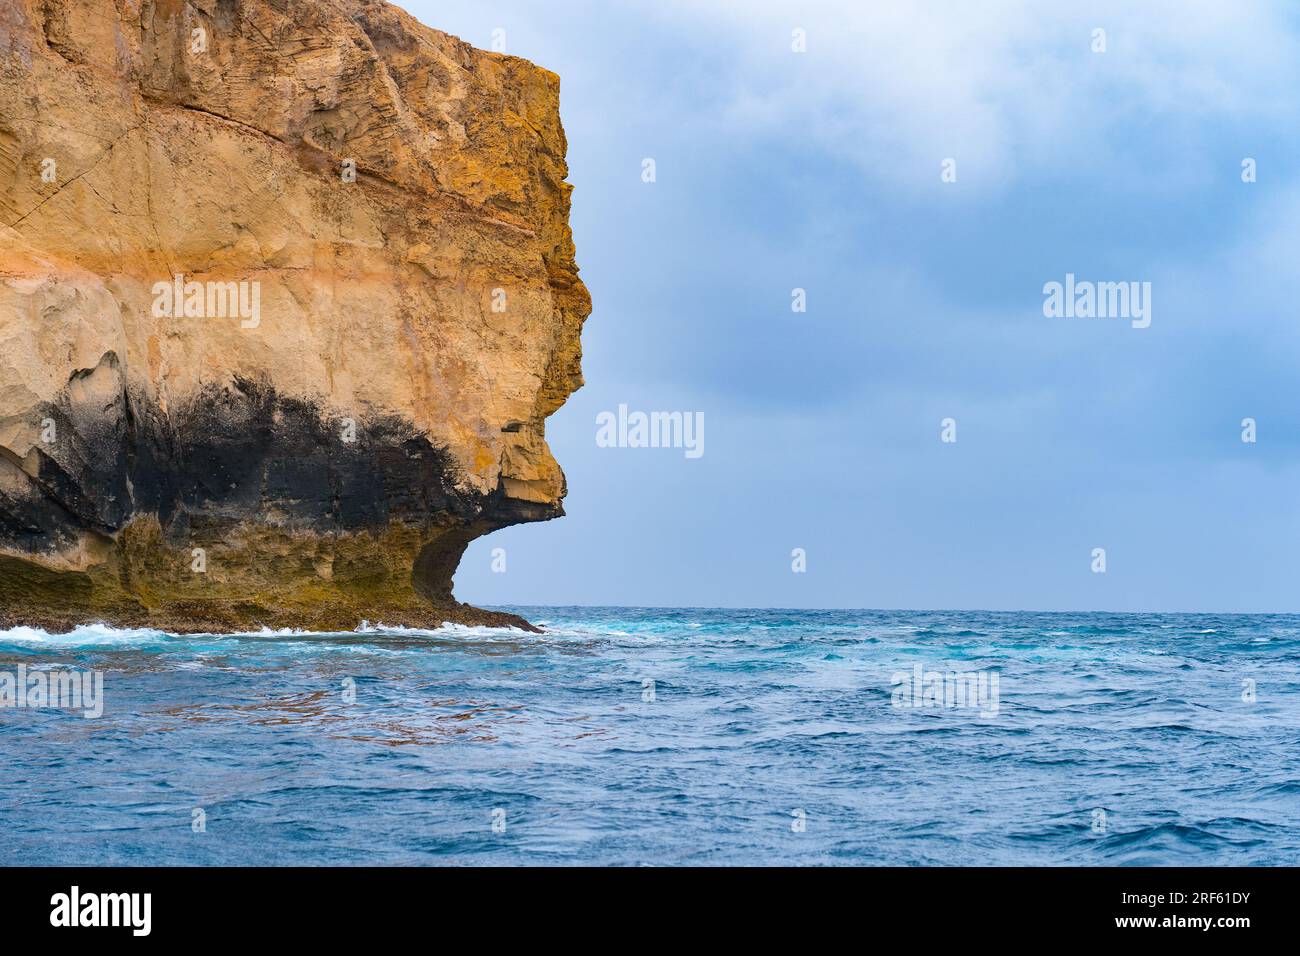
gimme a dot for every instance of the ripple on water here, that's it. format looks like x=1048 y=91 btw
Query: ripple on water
x=666 y=736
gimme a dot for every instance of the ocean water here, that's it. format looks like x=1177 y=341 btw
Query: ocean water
x=660 y=737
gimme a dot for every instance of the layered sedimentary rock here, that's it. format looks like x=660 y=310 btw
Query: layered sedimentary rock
x=287 y=293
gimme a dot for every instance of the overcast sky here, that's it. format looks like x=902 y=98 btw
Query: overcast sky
x=822 y=170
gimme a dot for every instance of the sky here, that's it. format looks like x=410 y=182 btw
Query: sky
x=1115 y=157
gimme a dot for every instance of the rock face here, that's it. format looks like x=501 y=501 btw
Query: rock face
x=287 y=292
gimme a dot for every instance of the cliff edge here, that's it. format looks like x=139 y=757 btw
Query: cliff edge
x=287 y=293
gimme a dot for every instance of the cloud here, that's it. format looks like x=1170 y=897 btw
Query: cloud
x=1000 y=86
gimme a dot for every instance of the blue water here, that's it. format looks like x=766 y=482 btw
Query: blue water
x=755 y=715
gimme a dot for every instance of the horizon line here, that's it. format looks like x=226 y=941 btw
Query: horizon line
x=876 y=610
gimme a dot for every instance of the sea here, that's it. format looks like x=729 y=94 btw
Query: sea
x=661 y=737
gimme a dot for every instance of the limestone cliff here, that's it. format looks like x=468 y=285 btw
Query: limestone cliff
x=287 y=293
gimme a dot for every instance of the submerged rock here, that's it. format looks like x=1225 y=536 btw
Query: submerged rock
x=287 y=293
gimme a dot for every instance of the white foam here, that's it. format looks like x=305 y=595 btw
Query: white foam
x=106 y=636
x=85 y=635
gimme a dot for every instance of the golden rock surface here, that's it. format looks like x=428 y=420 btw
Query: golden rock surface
x=391 y=204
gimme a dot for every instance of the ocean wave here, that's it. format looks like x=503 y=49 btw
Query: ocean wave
x=648 y=724
x=85 y=635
